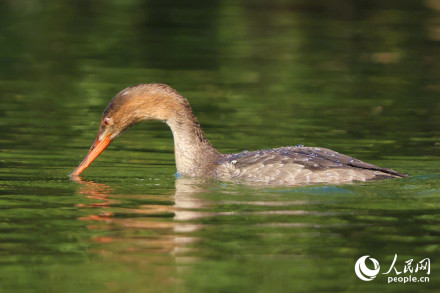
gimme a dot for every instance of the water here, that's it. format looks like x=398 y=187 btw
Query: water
x=361 y=79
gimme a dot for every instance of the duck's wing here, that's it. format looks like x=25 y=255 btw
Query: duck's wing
x=299 y=164
x=327 y=158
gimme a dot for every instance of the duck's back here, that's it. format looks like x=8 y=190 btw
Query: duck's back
x=298 y=165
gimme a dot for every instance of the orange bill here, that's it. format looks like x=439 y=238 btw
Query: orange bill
x=97 y=148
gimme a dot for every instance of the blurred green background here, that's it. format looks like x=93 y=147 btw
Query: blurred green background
x=359 y=77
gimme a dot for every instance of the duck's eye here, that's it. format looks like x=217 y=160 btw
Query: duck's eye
x=106 y=121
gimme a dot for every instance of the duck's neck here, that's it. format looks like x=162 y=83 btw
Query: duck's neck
x=195 y=156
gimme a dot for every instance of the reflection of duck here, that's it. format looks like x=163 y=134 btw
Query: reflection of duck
x=196 y=157
x=146 y=235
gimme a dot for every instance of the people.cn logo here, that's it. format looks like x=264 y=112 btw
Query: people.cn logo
x=363 y=272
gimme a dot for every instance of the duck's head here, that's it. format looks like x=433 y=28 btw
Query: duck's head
x=128 y=107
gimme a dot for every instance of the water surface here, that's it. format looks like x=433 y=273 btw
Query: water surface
x=362 y=79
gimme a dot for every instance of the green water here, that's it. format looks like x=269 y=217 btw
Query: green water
x=359 y=77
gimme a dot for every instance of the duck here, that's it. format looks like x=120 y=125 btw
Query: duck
x=195 y=156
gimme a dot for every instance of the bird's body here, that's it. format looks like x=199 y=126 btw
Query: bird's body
x=196 y=157
x=300 y=165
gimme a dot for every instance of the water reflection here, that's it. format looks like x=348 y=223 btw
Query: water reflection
x=170 y=220
x=154 y=217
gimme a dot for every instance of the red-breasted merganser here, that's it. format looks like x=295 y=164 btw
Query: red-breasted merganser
x=196 y=157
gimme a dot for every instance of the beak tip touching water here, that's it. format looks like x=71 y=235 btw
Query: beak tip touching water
x=97 y=148
x=78 y=170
